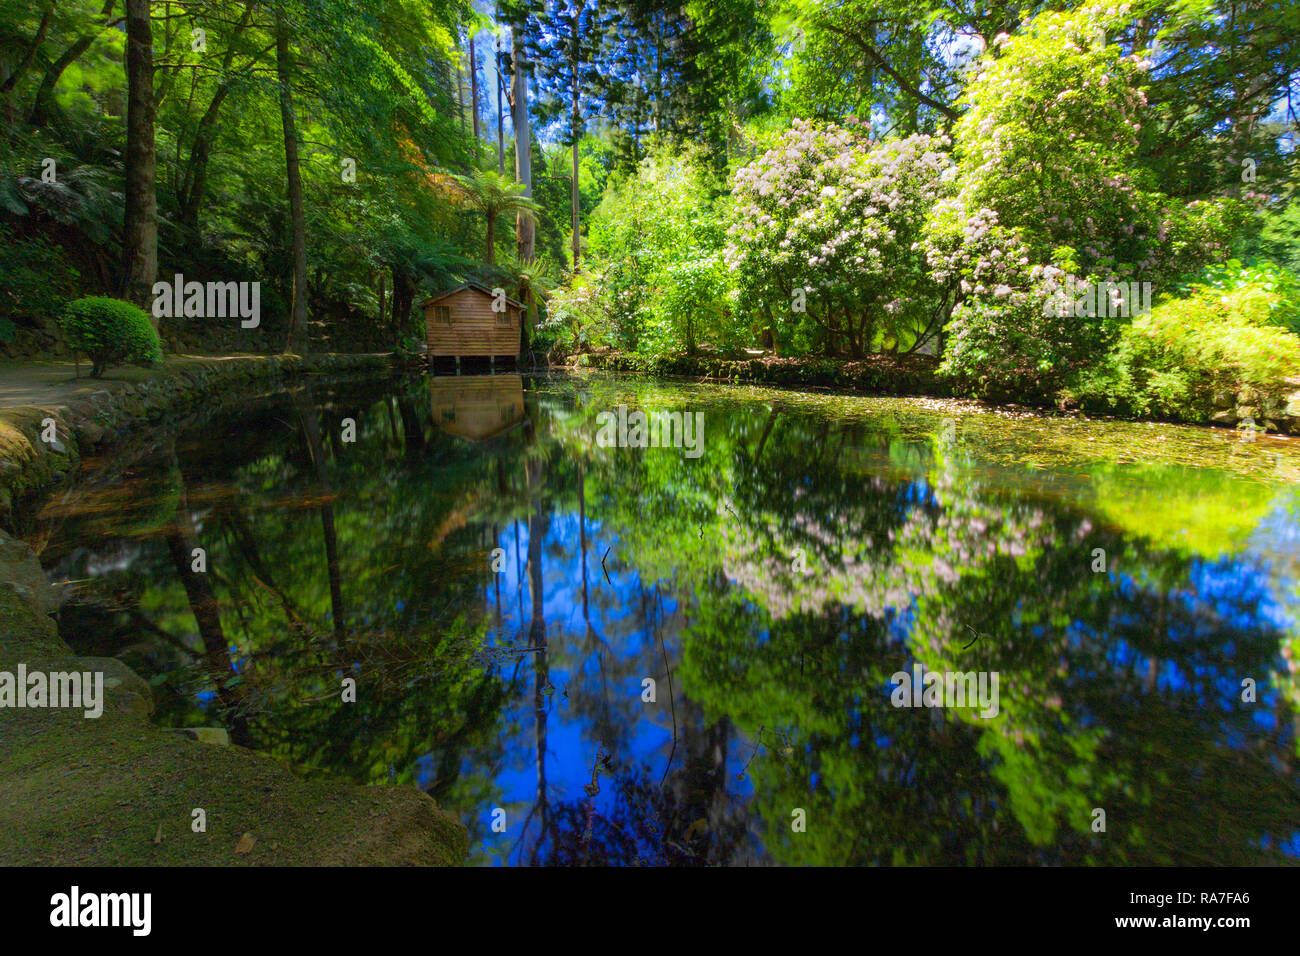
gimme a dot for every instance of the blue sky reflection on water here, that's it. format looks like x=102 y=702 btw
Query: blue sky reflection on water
x=970 y=552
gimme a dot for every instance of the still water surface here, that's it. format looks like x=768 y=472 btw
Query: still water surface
x=502 y=590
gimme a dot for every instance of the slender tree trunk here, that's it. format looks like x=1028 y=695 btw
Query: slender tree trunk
x=501 y=122
x=574 y=124
x=140 y=222
x=523 y=141
x=537 y=639
x=473 y=92
x=297 y=338
x=29 y=57
x=194 y=184
x=659 y=70
x=460 y=91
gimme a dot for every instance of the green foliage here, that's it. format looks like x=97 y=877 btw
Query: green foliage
x=1050 y=190
x=1277 y=237
x=1193 y=353
x=111 y=332
x=35 y=276
x=655 y=243
x=576 y=314
x=1281 y=284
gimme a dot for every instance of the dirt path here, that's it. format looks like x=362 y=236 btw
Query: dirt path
x=53 y=384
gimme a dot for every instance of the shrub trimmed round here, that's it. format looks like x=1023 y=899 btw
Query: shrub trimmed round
x=111 y=332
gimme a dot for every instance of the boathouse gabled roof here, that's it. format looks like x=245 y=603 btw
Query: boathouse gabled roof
x=477 y=287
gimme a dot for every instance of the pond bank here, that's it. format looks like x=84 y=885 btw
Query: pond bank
x=90 y=412
x=911 y=375
x=116 y=790
x=877 y=374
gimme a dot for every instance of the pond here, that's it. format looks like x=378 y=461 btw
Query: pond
x=674 y=656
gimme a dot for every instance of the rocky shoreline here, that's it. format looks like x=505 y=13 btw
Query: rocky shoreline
x=876 y=374
x=116 y=789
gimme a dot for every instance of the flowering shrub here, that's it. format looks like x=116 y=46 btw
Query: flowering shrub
x=1048 y=190
x=576 y=315
x=826 y=212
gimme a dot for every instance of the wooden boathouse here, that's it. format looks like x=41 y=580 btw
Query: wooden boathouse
x=472 y=321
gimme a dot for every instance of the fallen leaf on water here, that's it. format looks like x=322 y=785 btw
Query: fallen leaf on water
x=245 y=843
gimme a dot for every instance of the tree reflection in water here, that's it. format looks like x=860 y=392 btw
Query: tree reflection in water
x=964 y=549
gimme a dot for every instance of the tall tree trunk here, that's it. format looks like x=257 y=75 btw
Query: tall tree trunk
x=574 y=133
x=403 y=298
x=473 y=92
x=659 y=70
x=537 y=640
x=523 y=141
x=501 y=122
x=297 y=338
x=460 y=89
x=140 y=222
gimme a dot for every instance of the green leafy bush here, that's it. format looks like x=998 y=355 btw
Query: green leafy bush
x=111 y=332
x=576 y=316
x=1275 y=236
x=1213 y=343
x=654 y=254
x=1285 y=287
